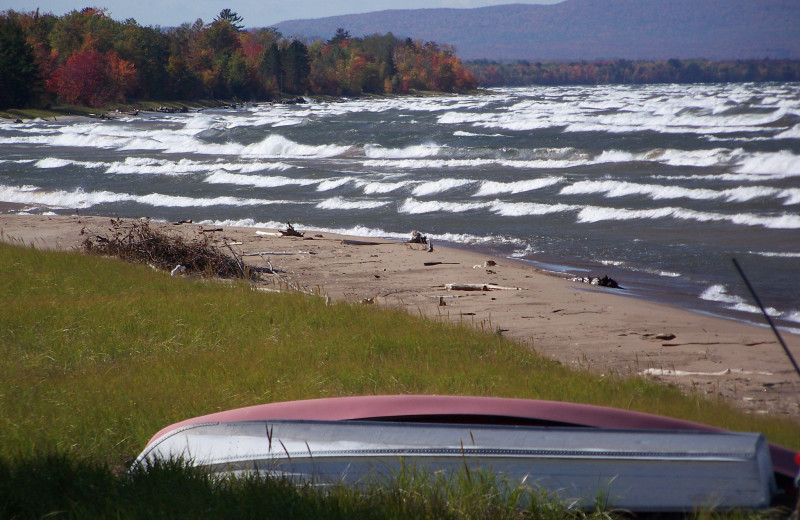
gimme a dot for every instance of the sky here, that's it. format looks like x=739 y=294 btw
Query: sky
x=256 y=13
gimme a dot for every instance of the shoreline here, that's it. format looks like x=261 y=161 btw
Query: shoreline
x=585 y=326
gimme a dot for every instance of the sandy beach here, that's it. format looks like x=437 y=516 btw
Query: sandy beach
x=596 y=328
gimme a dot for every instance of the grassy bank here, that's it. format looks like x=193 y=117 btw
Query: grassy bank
x=67 y=488
x=97 y=355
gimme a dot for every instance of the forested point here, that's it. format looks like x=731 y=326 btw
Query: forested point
x=521 y=73
x=87 y=58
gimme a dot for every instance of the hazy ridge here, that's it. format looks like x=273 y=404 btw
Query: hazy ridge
x=589 y=29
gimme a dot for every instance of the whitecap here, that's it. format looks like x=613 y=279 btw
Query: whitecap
x=775 y=254
x=522 y=209
x=792 y=196
x=719 y=293
x=590 y=214
x=340 y=203
x=792 y=133
x=783 y=163
x=376 y=151
x=488 y=188
x=434 y=187
x=158 y=199
x=371 y=188
x=331 y=184
x=416 y=207
x=259 y=181
x=53 y=162
x=58 y=198
x=613 y=189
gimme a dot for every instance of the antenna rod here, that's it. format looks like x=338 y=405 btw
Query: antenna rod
x=769 y=320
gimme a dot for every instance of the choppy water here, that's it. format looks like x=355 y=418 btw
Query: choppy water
x=657 y=186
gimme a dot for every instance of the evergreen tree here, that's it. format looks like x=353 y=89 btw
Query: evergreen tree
x=19 y=75
x=340 y=36
x=226 y=15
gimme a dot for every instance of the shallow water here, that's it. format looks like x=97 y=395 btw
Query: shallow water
x=657 y=187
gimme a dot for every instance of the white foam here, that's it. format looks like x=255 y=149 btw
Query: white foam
x=420 y=164
x=488 y=188
x=792 y=196
x=334 y=183
x=792 y=133
x=522 y=209
x=53 y=162
x=152 y=166
x=279 y=146
x=461 y=133
x=699 y=158
x=383 y=187
x=416 y=207
x=59 y=198
x=613 y=188
x=718 y=293
x=597 y=214
x=340 y=203
x=376 y=151
x=158 y=199
x=81 y=199
x=39 y=139
x=433 y=187
x=259 y=181
x=772 y=254
x=783 y=163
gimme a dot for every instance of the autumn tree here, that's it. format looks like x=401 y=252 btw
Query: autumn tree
x=88 y=58
x=93 y=78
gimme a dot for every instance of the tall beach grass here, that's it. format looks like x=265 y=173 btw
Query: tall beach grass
x=96 y=355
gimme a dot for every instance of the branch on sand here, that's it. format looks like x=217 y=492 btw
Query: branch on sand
x=137 y=241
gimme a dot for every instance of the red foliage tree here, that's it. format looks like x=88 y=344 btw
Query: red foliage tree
x=92 y=78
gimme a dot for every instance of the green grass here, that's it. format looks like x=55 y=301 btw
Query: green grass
x=97 y=355
x=67 y=488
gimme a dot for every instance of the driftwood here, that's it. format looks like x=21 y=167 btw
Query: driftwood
x=478 y=287
x=428 y=264
x=418 y=238
x=605 y=281
x=138 y=241
x=279 y=253
x=348 y=242
x=290 y=231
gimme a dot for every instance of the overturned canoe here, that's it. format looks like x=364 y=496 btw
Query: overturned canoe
x=637 y=470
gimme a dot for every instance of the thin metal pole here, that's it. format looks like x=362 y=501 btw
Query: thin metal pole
x=769 y=320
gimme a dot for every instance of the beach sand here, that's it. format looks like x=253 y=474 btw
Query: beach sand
x=595 y=328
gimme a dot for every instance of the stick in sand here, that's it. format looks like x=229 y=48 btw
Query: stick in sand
x=769 y=320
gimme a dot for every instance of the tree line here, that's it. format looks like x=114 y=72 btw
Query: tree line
x=85 y=57
x=520 y=73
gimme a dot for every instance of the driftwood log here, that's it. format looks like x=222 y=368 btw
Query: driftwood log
x=479 y=287
x=290 y=231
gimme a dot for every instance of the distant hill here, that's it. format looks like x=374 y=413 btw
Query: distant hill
x=588 y=29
